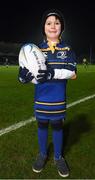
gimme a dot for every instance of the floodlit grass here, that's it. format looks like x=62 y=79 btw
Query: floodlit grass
x=19 y=148
x=16 y=100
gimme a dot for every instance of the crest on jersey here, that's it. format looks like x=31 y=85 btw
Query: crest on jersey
x=62 y=54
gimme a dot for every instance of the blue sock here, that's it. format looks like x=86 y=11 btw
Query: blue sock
x=42 y=140
x=58 y=143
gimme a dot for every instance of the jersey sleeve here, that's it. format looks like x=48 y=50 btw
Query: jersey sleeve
x=69 y=69
x=63 y=74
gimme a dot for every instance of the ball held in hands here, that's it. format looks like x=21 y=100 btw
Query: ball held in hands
x=32 y=58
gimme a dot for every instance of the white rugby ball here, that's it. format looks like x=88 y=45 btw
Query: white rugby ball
x=31 y=57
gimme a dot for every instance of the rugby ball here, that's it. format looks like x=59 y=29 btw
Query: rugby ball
x=31 y=57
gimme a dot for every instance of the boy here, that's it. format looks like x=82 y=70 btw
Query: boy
x=50 y=92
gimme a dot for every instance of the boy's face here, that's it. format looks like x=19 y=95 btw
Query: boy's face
x=52 y=28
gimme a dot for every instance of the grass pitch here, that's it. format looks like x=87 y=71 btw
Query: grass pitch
x=19 y=148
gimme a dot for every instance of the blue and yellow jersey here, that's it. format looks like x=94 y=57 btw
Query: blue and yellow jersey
x=50 y=97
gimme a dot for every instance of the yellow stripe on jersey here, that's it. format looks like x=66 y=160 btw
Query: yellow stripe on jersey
x=57 y=48
x=50 y=112
x=60 y=63
x=57 y=63
x=45 y=49
x=65 y=48
x=50 y=104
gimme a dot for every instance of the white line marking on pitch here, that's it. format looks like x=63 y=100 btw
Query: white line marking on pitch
x=28 y=121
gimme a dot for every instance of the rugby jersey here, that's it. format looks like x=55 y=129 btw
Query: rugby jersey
x=50 y=96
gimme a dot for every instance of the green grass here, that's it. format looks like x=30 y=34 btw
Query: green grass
x=19 y=148
x=16 y=100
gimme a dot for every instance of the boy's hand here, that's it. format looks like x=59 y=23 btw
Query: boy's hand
x=24 y=75
x=45 y=75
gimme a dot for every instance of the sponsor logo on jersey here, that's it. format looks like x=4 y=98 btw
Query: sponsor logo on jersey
x=45 y=54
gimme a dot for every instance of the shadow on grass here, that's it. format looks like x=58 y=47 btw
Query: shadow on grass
x=74 y=129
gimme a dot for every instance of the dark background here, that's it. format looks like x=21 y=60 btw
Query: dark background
x=20 y=22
